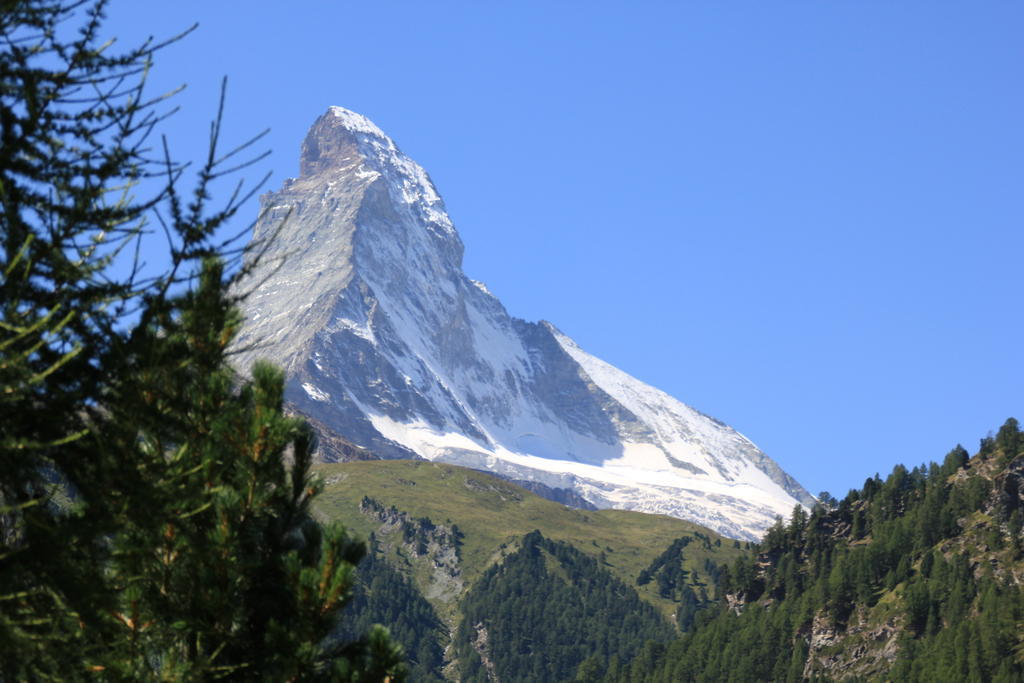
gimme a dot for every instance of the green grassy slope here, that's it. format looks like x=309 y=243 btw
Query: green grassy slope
x=493 y=514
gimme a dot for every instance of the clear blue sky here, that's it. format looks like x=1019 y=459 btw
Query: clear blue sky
x=802 y=218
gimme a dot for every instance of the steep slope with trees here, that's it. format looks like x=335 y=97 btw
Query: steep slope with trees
x=546 y=608
x=384 y=595
x=914 y=578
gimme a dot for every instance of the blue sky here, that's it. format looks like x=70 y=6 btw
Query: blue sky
x=802 y=218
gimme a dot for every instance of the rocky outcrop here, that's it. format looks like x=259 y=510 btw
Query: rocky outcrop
x=481 y=644
x=860 y=651
x=420 y=537
x=1008 y=489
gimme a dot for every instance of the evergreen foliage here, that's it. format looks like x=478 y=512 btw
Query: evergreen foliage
x=680 y=585
x=548 y=612
x=383 y=595
x=935 y=551
x=154 y=507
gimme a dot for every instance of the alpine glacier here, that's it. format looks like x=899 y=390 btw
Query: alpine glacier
x=391 y=351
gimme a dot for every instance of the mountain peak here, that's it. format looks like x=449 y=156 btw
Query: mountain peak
x=340 y=137
x=390 y=346
x=356 y=122
x=342 y=143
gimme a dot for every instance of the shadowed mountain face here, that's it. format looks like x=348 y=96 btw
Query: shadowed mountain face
x=389 y=346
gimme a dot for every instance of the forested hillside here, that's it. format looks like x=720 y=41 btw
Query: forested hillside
x=416 y=509
x=543 y=610
x=479 y=578
x=383 y=595
x=916 y=577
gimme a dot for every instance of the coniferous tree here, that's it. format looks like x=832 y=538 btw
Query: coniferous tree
x=62 y=223
x=154 y=508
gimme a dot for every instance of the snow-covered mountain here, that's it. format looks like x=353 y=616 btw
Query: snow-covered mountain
x=386 y=343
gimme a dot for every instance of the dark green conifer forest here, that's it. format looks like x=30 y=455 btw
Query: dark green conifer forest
x=384 y=595
x=929 y=559
x=546 y=609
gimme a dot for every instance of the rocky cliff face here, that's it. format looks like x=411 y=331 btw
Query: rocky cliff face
x=386 y=343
